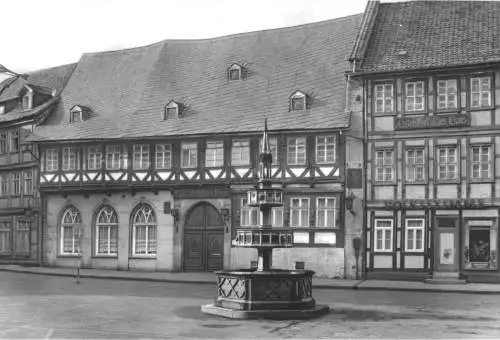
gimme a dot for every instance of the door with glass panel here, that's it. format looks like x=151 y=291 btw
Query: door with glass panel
x=446 y=244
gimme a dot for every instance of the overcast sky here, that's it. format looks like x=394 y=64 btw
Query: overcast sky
x=38 y=34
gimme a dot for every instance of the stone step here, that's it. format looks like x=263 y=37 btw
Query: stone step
x=445 y=281
x=445 y=275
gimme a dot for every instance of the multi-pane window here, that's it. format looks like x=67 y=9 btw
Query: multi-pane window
x=480 y=92
x=214 y=154
x=415 y=165
x=249 y=215
x=447 y=163
x=16 y=183
x=163 y=156
x=240 y=152
x=3 y=142
x=414 y=96
x=384 y=164
x=69 y=159
x=325 y=212
x=23 y=237
x=14 y=141
x=384 y=98
x=107 y=231
x=383 y=234
x=144 y=232
x=5 y=235
x=299 y=212
x=481 y=161
x=4 y=185
x=325 y=149
x=113 y=156
x=28 y=182
x=277 y=216
x=414 y=234
x=189 y=155
x=296 y=150
x=141 y=156
x=447 y=94
x=51 y=159
x=94 y=157
x=273 y=145
x=71 y=232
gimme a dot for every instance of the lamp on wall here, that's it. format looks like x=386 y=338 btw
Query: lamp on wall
x=226 y=217
x=349 y=202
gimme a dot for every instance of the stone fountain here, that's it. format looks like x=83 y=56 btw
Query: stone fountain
x=265 y=292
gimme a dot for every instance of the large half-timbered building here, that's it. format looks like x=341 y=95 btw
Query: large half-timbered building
x=430 y=96
x=25 y=101
x=147 y=158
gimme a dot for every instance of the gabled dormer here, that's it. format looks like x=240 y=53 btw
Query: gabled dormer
x=236 y=72
x=298 y=101
x=173 y=109
x=79 y=113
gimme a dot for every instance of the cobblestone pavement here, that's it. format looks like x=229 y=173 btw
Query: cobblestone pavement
x=35 y=306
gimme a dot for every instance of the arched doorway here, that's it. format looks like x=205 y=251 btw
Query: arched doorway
x=203 y=239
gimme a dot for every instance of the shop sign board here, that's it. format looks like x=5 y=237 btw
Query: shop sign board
x=435 y=204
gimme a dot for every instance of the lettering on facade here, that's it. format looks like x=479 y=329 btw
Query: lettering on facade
x=429 y=122
x=435 y=204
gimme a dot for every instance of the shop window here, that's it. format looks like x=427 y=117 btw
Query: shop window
x=240 y=152
x=384 y=101
x=214 y=154
x=70 y=232
x=296 y=150
x=480 y=251
x=415 y=96
x=414 y=234
x=107 y=232
x=383 y=235
x=189 y=155
x=415 y=165
x=481 y=162
x=384 y=163
x=480 y=92
x=5 y=235
x=447 y=90
x=447 y=163
x=141 y=156
x=144 y=232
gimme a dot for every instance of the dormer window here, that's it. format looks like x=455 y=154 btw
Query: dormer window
x=235 y=72
x=298 y=101
x=173 y=110
x=78 y=113
x=27 y=101
x=2 y=109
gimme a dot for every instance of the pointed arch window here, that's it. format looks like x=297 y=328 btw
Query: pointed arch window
x=107 y=231
x=144 y=231
x=298 y=101
x=70 y=232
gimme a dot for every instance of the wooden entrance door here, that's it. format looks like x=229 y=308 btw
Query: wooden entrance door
x=446 y=249
x=203 y=239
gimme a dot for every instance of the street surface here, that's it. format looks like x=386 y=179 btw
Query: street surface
x=49 y=307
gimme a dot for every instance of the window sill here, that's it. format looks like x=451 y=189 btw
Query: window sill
x=105 y=256
x=73 y=256
x=424 y=182
x=414 y=113
x=383 y=252
x=447 y=181
x=414 y=253
x=382 y=183
x=471 y=109
x=383 y=114
x=142 y=257
x=482 y=180
x=447 y=111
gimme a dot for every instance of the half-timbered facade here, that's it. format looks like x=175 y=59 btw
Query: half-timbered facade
x=146 y=161
x=431 y=114
x=25 y=101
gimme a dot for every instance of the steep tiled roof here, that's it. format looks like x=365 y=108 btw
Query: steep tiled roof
x=434 y=34
x=127 y=90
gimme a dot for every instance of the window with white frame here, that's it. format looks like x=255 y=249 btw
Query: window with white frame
x=94 y=157
x=51 y=159
x=325 y=149
x=163 y=156
x=27 y=101
x=69 y=159
x=23 y=237
x=144 y=231
x=214 y=154
x=28 y=182
x=447 y=162
x=189 y=155
x=299 y=212
x=273 y=145
x=415 y=96
x=70 y=232
x=106 y=229
x=384 y=98
x=14 y=141
x=240 y=152
x=415 y=164
x=5 y=236
x=481 y=161
x=296 y=150
x=141 y=156
x=384 y=165
x=3 y=142
x=325 y=212
x=480 y=92
x=277 y=217
x=383 y=234
x=414 y=234
x=447 y=90
x=249 y=215
x=16 y=183
x=113 y=157
x=4 y=184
